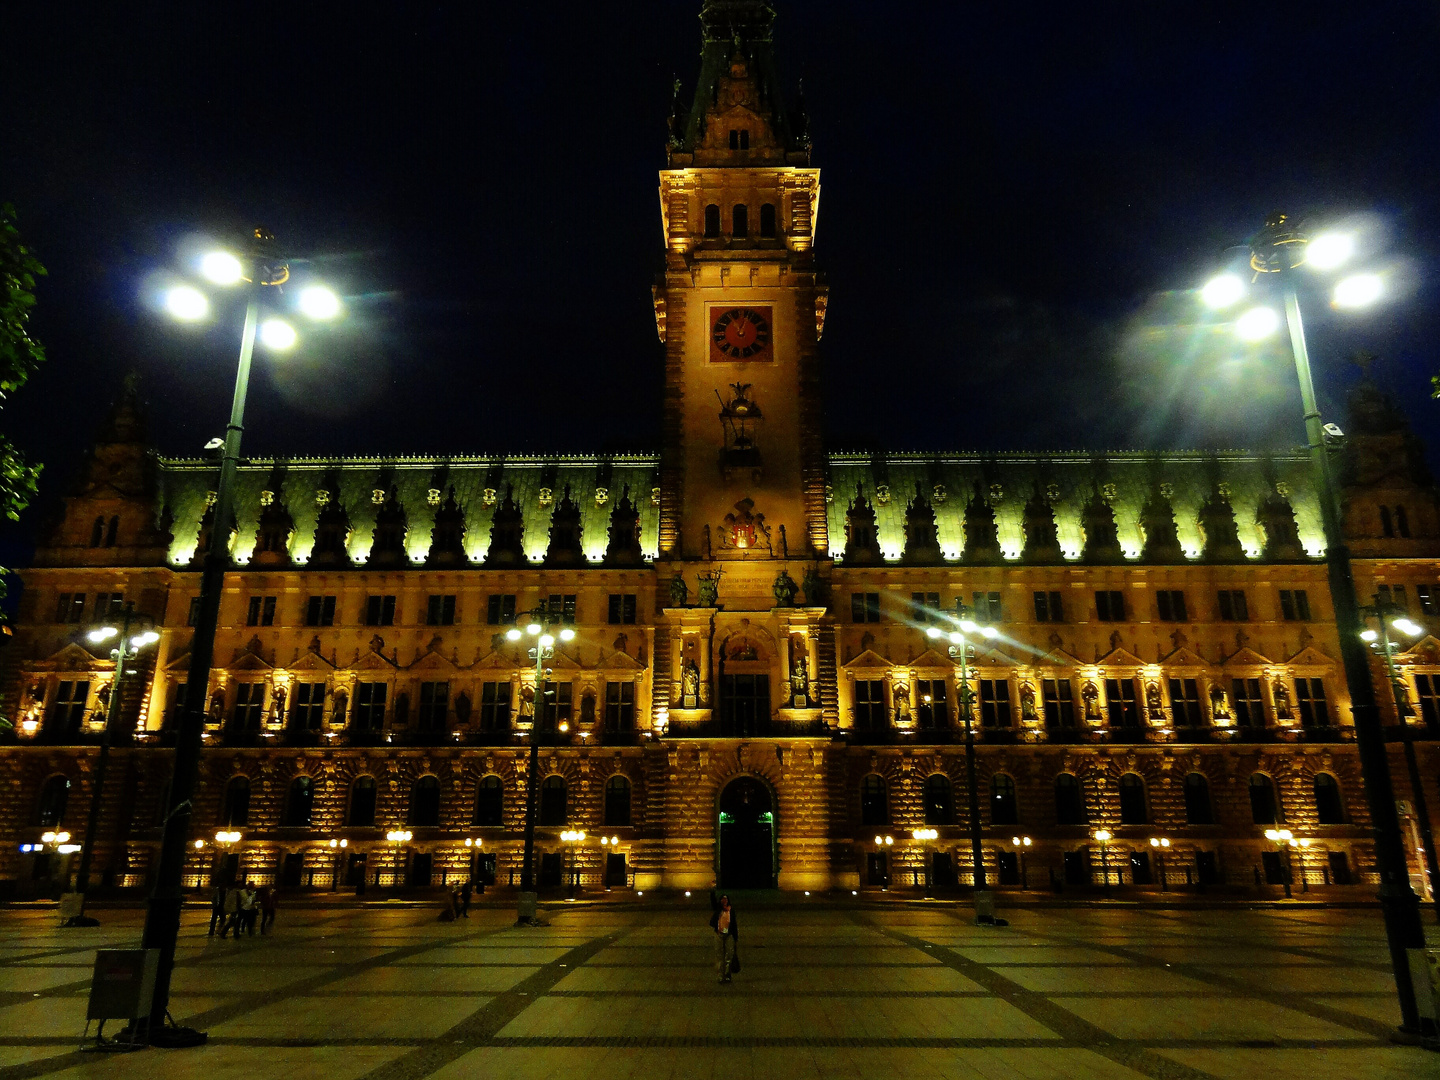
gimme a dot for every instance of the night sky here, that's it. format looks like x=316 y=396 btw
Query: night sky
x=1015 y=200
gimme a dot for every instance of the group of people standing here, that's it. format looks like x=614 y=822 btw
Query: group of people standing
x=239 y=907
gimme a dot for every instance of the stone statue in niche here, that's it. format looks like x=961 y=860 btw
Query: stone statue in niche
x=800 y=681
x=377 y=644
x=587 y=707
x=1090 y=694
x=217 y=706
x=814 y=587
x=102 y=698
x=462 y=708
x=1027 y=701
x=902 y=704
x=1282 y=701
x=679 y=591
x=1153 y=702
x=277 y=706
x=1219 y=708
x=785 y=590
x=337 y=712
x=690 y=685
x=709 y=595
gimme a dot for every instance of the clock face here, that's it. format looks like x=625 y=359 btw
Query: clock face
x=740 y=334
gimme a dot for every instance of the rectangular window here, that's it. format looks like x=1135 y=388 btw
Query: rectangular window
x=622 y=609
x=865 y=607
x=500 y=609
x=1427 y=690
x=561 y=608
x=192 y=618
x=987 y=607
x=1059 y=703
x=434 y=705
x=249 y=705
x=1171 y=604
x=370 y=705
x=1294 y=605
x=380 y=611
x=1185 y=702
x=1110 y=605
x=494 y=706
x=320 y=611
x=260 y=611
x=1049 y=607
x=556 y=705
x=619 y=706
x=67 y=707
x=70 y=608
x=934 y=709
x=1310 y=697
x=1232 y=605
x=440 y=611
x=870 y=704
x=925 y=607
x=994 y=703
x=1121 y=704
x=309 y=708
x=108 y=604
x=1429 y=597
x=1393 y=595
x=1249 y=708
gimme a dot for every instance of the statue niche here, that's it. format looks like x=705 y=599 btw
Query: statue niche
x=922 y=540
x=862 y=538
x=507 y=533
x=565 y=548
x=740 y=419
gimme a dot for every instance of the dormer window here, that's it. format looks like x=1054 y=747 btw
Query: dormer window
x=740 y=221
x=767 y=220
x=712 y=221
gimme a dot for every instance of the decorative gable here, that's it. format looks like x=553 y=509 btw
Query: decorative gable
x=1247 y=657
x=71 y=658
x=620 y=661
x=1184 y=657
x=433 y=661
x=372 y=661
x=1310 y=657
x=248 y=661
x=869 y=660
x=312 y=661
x=1120 y=658
x=930 y=659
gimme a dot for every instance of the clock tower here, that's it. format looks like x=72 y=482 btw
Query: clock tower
x=740 y=310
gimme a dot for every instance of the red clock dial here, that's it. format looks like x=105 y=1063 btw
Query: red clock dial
x=740 y=334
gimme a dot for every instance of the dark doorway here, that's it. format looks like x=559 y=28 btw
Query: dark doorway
x=877 y=869
x=551 y=869
x=1274 y=867
x=1339 y=868
x=484 y=870
x=421 y=865
x=355 y=871
x=747 y=835
x=229 y=870
x=744 y=704
x=292 y=870
x=1140 y=868
x=1009 y=864
x=944 y=870
x=615 y=875
x=1077 y=868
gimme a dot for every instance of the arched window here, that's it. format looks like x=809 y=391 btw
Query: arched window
x=1197 y=800
x=1132 y=799
x=939 y=800
x=767 y=220
x=874 y=802
x=1402 y=522
x=53 y=798
x=299 y=802
x=97 y=533
x=235 y=811
x=425 y=802
x=490 y=802
x=1329 y=806
x=1264 y=806
x=111 y=531
x=617 y=801
x=740 y=220
x=362 y=802
x=712 y=220
x=1386 y=527
x=1069 y=800
x=1004 y=808
x=552 y=801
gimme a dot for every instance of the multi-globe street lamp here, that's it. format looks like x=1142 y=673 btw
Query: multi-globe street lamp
x=961 y=651
x=133 y=633
x=260 y=267
x=1104 y=836
x=541 y=626
x=1382 y=643
x=1161 y=844
x=1278 y=252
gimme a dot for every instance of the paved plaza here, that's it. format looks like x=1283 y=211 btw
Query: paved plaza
x=825 y=991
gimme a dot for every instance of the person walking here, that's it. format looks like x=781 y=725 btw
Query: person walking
x=465 y=891
x=217 y=910
x=267 y=908
x=247 y=911
x=232 y=913
x=727 y=934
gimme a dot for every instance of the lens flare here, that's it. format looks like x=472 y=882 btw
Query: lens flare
x=221 y=267
x=1329 y=250
x=187 y=303
x=1358 y=290
x=1223 y=291
x=318 y=302
x=277 y=334
x=1257 y=324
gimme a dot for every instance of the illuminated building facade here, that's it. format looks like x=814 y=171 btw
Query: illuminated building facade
x=752 y=690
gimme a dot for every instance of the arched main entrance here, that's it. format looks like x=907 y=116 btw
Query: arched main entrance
x=747 y=835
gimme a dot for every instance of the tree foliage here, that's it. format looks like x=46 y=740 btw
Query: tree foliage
x=20 y=355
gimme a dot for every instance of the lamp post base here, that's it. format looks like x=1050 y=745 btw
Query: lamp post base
x=526 y=913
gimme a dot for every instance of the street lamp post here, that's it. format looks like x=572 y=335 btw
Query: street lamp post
x=538 y=625
x=261 y=267
x=924 y=836
x=1161 y=844
x=1021 y=844
x=1279 y=248
x=397 y=837
x=1104 y=835
x=126 y=647
x=573 y=838
x=1380 y=612
x=961 y=651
